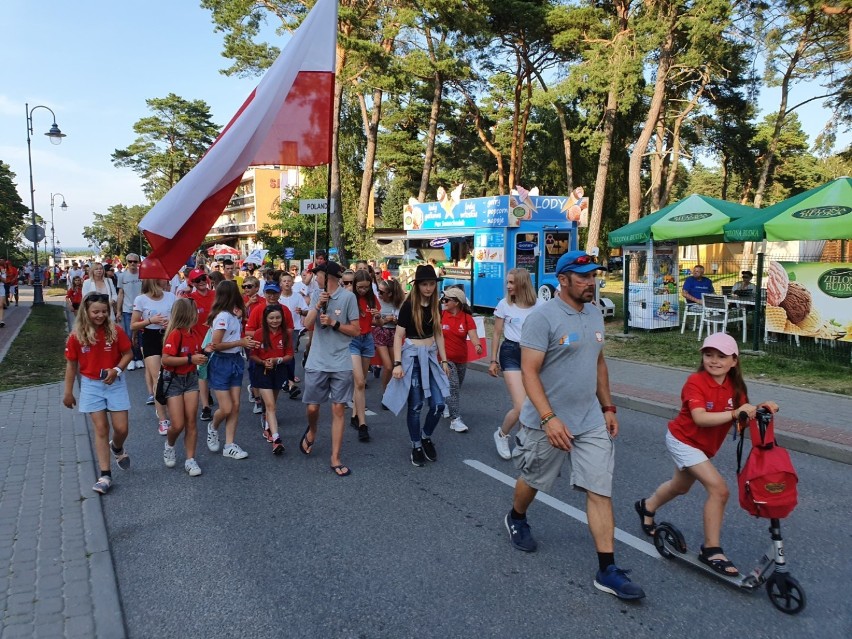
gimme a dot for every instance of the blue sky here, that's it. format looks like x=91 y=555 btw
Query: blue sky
x=95 y=63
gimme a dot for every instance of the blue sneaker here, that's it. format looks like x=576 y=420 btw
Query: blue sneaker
x=614 y=580
x=520 y=535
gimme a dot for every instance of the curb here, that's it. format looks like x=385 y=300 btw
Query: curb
x=14 y=334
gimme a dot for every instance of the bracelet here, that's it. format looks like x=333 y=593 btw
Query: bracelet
x=494 y=361
x=608 y=409
x=336 y=326
x=546 y=418
x=189 y=359
x=397 y=363
x=443 y=361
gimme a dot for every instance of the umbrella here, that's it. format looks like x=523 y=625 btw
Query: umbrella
x=219 y=250
x=697 y=218
x=823 y=213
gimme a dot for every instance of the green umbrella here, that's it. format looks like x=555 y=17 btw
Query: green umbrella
x=697 y=218
x=823 y=213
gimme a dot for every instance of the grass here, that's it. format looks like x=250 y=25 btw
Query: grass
x=37 y=356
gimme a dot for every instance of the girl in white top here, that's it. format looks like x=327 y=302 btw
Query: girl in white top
x=509 y=318
x=97 y=283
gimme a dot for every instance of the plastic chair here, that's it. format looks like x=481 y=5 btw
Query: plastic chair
x=716 y=315
x=693 y=310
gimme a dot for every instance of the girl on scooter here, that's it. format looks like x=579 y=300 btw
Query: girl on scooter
x=712 y=399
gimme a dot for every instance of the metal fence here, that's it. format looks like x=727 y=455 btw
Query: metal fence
x=798 y=305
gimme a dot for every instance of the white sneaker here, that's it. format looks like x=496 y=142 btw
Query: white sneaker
x=131 y=366
x=169 y=456
x=248 y=388
x=234 y=452
x=458 y=425
x=257 y=409
x=502 y=442
x=163 y=428
x=140 y=364
x=446 y=411
x=212 y=439
x=192 y=468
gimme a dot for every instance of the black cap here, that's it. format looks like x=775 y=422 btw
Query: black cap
x=329 y=268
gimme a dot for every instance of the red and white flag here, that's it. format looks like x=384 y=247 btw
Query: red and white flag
x=287 y=120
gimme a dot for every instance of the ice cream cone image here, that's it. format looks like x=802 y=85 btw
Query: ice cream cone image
x=813 y=323
x=797 y=303
x=777 y=284
x=776 y=319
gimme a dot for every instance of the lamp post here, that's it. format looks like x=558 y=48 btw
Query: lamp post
x=64 y=208
x=55 y=136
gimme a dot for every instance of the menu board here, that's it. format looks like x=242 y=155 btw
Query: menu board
x=490 y=247
x=555 y=246
x=526 y=252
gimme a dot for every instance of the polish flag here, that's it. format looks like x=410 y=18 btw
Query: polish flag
x=287 y=120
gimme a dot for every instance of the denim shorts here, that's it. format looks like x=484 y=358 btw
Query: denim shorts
x=363 y=345
x=96 y=396
x=178 y=385
x=225 y=371
x=510 y=356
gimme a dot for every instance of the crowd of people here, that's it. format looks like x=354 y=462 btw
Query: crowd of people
x=197 y=336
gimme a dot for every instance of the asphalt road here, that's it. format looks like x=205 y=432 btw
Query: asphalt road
x=280 y=546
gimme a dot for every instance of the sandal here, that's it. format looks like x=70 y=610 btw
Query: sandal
x=648 y=529
x=341 y=470
x=720 y=564
x=306 y=446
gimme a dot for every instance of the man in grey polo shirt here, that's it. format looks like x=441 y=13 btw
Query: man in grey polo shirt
x=328 y=369
x=568 y=415
x=129 y=288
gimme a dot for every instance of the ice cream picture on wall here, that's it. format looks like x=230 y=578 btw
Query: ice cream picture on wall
x=799 y=302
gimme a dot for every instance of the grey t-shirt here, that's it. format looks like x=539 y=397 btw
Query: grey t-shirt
x=329 y=348
x=132 y=287
x=571 y=341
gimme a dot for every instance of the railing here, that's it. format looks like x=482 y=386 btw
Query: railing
x=242 y=200
x=245 y=228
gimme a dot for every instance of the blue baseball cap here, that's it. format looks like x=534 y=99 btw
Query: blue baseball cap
x=577 y=262
x=272 y=286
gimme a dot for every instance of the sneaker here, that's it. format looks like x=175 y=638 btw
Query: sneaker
x=458 y=425
x=429 y=449
x=206 y=414
x=520 y=535
x=615 y=581
x=363 y=433
x=163 y=428
x=267 y=435
x=234 y=452
x=121 y=458
x=277 y=447
x=150 y=400
x=131 y=366
x=103 y=485
x=502 y=443
x=212 y=439
x=295 y=392
x=251 y=397
x=417 y=456
x=140 y=364
x=353 y=421
x=258 y=408
x=192 y=468
x=169 y=456
x=446 y=411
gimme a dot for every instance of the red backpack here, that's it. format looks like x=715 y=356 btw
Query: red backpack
x=767 y=481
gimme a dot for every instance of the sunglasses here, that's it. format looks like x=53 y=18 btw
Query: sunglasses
x=347 y=282
x=248 y=286
x=198 y=280
x=583 y=260
x=97 y=297
x=133 y=261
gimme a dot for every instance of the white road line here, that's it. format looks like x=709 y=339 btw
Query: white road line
x=624 y=537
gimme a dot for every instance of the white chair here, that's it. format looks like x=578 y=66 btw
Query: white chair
x=716 y=315
x=691 y=309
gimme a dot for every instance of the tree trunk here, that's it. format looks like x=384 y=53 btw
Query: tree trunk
x=516 y=116
x=658 y=166
x=603 y=169
x=674 y=157
x=566 y=146
x=431 y=134
x=371 y=130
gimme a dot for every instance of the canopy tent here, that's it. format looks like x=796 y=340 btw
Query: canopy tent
x=823 y=213
x=698 y=219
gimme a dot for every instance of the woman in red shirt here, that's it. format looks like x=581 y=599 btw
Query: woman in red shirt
x=270 y=359
x=181 y=355
x=457 y=325
x=362 y=348
x=72 y=300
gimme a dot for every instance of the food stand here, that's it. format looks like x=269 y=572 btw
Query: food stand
x=653 y=288
x=482 y=238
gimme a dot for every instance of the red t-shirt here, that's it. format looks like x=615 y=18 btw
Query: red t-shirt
x=188 y=343
x=455 y=329
x=255 y=320
x=102 y=354
x=203 y=303
x=365 y=317
x=702 y=391
x=12 y=275
x=75 y=295
x=259 y=301
x=279 y=346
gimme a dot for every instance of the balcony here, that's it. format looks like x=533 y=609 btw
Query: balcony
x=240 y=201
x=243 y=229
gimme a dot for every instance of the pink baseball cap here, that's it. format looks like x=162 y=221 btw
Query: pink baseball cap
x=722 y=342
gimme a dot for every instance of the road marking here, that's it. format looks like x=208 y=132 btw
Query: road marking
x=622 y=536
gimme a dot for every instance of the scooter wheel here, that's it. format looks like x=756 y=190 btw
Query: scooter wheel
x=786 y=594
x=666 y=534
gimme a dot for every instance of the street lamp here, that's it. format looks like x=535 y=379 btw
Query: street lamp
x=55 y=136
x=64 y=208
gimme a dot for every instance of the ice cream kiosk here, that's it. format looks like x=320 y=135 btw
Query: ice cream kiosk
x=483 y=238
x=653 y=287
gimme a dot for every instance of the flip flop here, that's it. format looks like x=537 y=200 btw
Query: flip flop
x=341 y=470
x=306 y=446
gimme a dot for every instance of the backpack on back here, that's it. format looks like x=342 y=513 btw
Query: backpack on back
x=767 y=481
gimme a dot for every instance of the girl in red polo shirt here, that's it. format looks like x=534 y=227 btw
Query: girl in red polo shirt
x=181 y=354
x=361 y=348
x=270 y=358
x=712 y=398
x=457 y=324
x=100 y=350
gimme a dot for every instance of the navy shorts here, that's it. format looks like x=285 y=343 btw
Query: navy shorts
x=225 y=371
x=273 y=379
x=510 y=356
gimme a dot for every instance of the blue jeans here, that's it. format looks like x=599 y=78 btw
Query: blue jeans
x=137 y=349
x=415 y=405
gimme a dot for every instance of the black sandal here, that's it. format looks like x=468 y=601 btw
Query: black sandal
x=648 y=529
x=722 y=566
